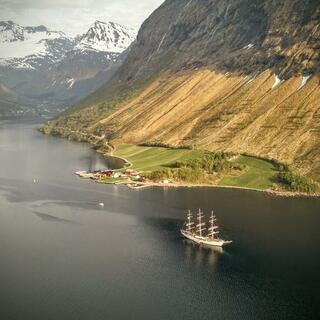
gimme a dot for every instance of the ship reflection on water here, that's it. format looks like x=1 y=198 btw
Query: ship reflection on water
x=203 y=255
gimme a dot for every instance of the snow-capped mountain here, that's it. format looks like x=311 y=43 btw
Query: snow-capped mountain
x=11 y=32
x=93 y=51
x=108 y=37
x=48 y=65
x=24 y=43
x=22 y=47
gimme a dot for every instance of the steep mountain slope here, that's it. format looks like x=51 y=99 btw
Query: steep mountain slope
x=240 y=75
x=53 y=69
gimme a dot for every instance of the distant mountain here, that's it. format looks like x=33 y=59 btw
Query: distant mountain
x=11 y=104
x=98 y=52
x=50 y=68
x=31 y=47
x=234 y=75
x=107 y=37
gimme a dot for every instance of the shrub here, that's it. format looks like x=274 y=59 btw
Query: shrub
x=159 y=175
x=297 y=183
x=211 y=162
x=189 y=175
x=164 y=145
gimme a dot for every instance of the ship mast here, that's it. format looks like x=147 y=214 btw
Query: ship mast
x=200 y=225
x=213 y=230
x=189 y=224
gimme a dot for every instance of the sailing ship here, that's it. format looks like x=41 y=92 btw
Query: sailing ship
x=197 y=234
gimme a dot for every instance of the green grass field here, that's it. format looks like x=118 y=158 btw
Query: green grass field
x=258 y=174
x=153 y=158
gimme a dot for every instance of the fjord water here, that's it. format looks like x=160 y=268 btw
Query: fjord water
x=64 y=257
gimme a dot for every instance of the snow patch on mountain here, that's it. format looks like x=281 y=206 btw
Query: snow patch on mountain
x=277 y=81
x=304 y=81
x=70 y=82
x=249 y=46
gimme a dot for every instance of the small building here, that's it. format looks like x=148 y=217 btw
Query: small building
x=131 y=172
x=166 y=181
x=105 y=173
x=116 y=175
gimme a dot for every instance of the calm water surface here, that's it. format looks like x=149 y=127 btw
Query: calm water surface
x=64 y=257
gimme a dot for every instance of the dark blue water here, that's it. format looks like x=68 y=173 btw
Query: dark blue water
x=64 y=257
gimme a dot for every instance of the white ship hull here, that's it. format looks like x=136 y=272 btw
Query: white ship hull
x=205 y=240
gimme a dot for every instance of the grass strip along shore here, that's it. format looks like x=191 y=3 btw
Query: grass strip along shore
x=161 y=165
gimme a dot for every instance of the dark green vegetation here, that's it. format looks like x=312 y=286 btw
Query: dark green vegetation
x=296 y=183
x=164 y=145
x=211 y=162
x=205 y=168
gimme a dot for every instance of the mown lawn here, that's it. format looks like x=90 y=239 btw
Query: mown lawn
x=259 y=174
x=153 y=158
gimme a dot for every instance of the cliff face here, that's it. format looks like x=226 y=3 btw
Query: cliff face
x=239 y=36
x=240 y=75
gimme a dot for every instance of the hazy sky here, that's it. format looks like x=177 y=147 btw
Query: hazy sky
x=75 y=16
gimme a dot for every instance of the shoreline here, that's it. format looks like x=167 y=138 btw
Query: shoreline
x=140 y=185
x=143 y=185
x=128 y=164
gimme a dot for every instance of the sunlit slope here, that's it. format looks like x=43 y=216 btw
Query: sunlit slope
x=220 y=112
x=238 y=75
